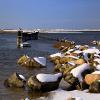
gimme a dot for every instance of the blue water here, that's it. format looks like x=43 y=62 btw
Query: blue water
x=9 y=54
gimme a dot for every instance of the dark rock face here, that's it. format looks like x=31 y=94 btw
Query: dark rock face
x=34 y=84
x=15 y=81
x=95 y=87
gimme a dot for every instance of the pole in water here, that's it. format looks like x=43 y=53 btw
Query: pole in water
x=19 y=38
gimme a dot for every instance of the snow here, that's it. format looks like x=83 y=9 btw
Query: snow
x=69 y=51
x=85 y=56
x=91 y=50
x=77 y=52
x=48 y=77
x=79 y=95
x=26 y=99
x=98 y=67
x=22 y=77
x=77 y=46
x=40 y=60
x=76 y=72
x=97 y=60
x=56 y=54
x=74 y=57
x=96 y=72
x=71 y=63
x=96 y=55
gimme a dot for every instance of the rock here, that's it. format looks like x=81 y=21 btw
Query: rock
x=22 y=59
x=90 y=78
x=64 y=60
x=74 y=98
x=70 y=98
x=53 y=59
x=15 y=80
x=64 y=43
x=32 y=62
x=95 y=87
x=73 y=81
x=40 y=82
x=65 y=85
x=80 y=61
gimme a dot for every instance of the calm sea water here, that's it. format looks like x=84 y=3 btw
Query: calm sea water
x=9 y=54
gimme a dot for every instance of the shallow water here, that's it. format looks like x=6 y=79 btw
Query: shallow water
x=9 y=54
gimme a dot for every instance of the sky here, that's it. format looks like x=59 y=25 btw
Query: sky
x=67 y=14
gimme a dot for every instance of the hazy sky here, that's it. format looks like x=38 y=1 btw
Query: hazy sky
x=69 y=14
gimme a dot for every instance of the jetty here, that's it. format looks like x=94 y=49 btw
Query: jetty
x=24 y=36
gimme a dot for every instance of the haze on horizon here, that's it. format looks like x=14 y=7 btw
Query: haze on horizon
x=68 y=14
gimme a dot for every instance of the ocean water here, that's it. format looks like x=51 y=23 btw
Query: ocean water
x=9 y=54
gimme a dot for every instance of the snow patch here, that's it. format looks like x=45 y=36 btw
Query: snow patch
x=56 y=54
x=97 y=60
x=98 y=67
x=77 y=46
x=71 y=63
x=77 y=52
x=73 y=57
x=91 y=50
x=79 y=95
x=22 y=77
x=96 y=72
x=48 y=77
x=85 y=56
x=40 y=60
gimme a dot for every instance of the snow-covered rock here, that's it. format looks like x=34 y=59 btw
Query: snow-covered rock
x=56 y=54
x=91 y=50
x=76 y=72
x=48 y=77
x=97 y=60
x=40 y=60
x=98 y=67
x=15 y=80
x=44 y=82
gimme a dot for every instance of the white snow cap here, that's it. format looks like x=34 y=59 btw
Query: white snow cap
x=77 y=51
x=71 y=63
x=40 y=60
x=77 y=46
x=76 y=72
x=48 y=77
x=96 y=72
x=27 y=99
x=56 y=54
x=74 y=57
x=96 y=55
x=85 y=56
x=97 y=60
x=98 y=67
x=22 y=77
x=91 y=50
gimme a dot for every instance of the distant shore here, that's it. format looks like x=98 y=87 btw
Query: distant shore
x=50 y=30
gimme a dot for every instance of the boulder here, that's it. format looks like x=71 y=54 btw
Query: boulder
x=73 y=81
x=80 y=61
x=44 y=82
x=95 y=87
x=64 y=43
x=32 y=62
x=15 y=80
x=90 y=78
x=22 y=59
